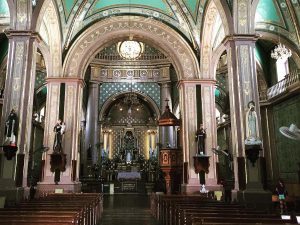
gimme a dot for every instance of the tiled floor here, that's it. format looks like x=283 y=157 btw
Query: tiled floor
x=127 y=209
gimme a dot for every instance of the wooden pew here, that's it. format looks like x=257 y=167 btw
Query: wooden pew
x=65 y=209
x=185 y=210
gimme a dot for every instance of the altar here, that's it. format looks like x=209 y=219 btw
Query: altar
x=128 y=176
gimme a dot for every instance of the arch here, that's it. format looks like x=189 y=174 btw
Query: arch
x=213 y=10
x=42 y=46
x=112 y=98
x=150 y=30
x=12 y=12
x=39 y=10
x=49 y=14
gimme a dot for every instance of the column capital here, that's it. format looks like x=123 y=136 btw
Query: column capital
x=65 y=80
x=240 y=38
x=196 y=82
x=95 y=82
x=23 y=33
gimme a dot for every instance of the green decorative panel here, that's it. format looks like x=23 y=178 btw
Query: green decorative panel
x=4 y=10
x=150 y=89
x=193 y=7
x=287 y=150
x=158 y=5
x=40 y=79
x=267 y=12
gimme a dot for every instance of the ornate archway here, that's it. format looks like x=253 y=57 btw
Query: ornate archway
x=145 y=29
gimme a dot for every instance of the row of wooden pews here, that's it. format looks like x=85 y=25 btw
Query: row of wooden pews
x=56 y=209
x=199 y=210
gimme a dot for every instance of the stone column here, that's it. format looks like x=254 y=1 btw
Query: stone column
x=92 y=131
x=51 y=117
x=209 y=123
x=188 y=109
x=19 y=90
x=72 y=117
x=243 y=89
x=69 y=179
x=166 y=133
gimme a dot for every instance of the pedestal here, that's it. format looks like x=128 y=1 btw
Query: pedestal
x=9 y=151
x=201 y=166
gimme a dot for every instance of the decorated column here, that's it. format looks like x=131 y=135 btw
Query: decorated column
x=244 y=99
x=188 y=108
x=18 y=98
x=72 y=117
x=209 y=123
x=51 y=118
x=92 y=130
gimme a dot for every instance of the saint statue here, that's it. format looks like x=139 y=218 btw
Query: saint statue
x=251 y=125
x=200 y=138
x=59 y=130
x=11 y=129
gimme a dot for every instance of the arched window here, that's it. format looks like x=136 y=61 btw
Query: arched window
x=282 y=68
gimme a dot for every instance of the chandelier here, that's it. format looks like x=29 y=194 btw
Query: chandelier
x=130 y=49
x=281 y=52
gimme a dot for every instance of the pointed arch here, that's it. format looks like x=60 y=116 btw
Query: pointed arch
x=50 y=18
x=213 y=12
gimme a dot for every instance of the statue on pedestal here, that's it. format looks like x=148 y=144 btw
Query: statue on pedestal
x=252 y=137
x=11 y=129
x=200 y=138
x=59 y=130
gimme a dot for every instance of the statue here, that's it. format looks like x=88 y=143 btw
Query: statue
x=11 y=129
x=59 y=130
x=252 y=137
x=200 y=138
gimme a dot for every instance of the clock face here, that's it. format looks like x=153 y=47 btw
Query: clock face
x=130 y=49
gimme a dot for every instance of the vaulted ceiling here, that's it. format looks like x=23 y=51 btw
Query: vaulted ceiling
x=280 y=17
x=183 y=15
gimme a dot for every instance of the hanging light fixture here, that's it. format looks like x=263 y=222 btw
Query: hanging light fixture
x=280 y=52
x=130 y=49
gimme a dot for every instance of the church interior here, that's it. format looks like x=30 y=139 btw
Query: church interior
x=150 y=99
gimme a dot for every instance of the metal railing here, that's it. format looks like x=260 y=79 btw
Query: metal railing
x=282 y=86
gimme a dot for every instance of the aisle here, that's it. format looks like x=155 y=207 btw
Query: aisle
x=127 y=209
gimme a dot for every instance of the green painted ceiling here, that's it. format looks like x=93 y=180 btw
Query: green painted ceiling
x=159 y=5
x=184 y=15
x=279 y=16
x=267 y=12
x=68 y=6
x=193 y=7
x=4 y=10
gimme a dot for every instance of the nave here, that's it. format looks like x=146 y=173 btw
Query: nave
x=127 y=209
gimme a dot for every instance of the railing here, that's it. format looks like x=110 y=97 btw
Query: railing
x=282 y=85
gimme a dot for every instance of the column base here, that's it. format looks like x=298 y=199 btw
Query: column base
x=67 y=187
x=258 y=199
x=11 y=193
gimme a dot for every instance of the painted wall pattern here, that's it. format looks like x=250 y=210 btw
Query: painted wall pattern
x=150 y=89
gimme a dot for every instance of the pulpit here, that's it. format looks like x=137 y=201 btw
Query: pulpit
x=170 y=160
